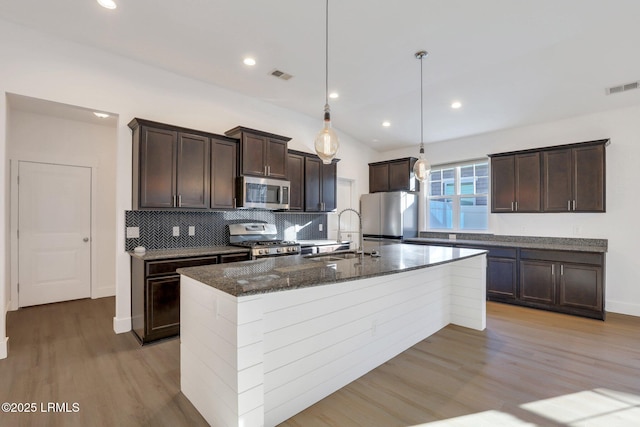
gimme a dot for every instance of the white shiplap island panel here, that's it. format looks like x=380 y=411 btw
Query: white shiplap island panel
x=259 y=359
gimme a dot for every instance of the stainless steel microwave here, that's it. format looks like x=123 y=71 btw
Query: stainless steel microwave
x=263 y=193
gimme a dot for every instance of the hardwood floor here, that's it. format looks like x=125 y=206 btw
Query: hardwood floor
x=68 y=352
x=528 y=367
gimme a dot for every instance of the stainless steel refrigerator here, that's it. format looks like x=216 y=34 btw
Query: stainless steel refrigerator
x=390 y=215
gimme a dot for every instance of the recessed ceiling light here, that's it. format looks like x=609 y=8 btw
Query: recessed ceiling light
x=101 y=115
x=456 y=104
x=249 y=61
x=107 y=4
x=334 y=95
x=386 y=124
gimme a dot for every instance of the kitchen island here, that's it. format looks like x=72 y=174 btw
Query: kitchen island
x=263 y=340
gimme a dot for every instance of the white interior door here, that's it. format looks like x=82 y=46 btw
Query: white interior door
x=54 y=231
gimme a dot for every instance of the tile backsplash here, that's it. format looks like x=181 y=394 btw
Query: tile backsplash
x=156 y=228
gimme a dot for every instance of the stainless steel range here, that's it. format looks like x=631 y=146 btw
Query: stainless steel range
x=262 y=239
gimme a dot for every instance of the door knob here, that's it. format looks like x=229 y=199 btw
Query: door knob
x=86 y=239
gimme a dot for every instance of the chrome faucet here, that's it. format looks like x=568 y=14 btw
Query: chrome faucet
x=361 y=248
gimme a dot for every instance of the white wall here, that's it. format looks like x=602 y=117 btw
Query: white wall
x=4 y=228
x=45 y=138
x=52 y=69
x=618 y=224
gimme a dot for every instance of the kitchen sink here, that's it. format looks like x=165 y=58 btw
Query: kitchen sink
x=333 y=256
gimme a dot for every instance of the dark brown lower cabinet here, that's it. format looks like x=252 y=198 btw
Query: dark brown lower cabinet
x=537 y=283
x=502 y=276
x=155 y=293
x=564 y=281
x=569 y=282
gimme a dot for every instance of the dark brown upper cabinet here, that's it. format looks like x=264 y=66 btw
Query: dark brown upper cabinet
x=313 y=185
x=574 y=179
x=515 y=183
x=320 y=188
x=296 y=180
x=566 y=178
x=261 y=153
x=224 y=155
x=170 y=167
x=393 y=175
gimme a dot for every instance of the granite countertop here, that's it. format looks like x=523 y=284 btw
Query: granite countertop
x=554 y=243
x=157 y=254
x=296 y=271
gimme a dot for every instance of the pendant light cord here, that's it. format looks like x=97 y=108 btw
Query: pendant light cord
x=326 y=56
x=421 y=107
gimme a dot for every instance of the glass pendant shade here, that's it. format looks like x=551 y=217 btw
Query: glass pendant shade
x=326 y=143
x=421 y=168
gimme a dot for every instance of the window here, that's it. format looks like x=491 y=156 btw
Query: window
x=458 y=196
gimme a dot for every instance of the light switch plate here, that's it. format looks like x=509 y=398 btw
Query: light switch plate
x=192 y=230
x=176 y=231
x=133 y=232
x=319 y=227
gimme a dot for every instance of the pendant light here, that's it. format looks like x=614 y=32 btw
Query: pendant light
x=326 y=143
x=421 y=168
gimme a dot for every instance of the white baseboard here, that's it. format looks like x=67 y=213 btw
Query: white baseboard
x=120 y=326
x=622 y=308
x=103 y=292
x=4 y=348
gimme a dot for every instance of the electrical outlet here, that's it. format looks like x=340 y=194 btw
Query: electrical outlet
x=192 y=230
x=176 y=231
x=133 y=232
x=319 y=227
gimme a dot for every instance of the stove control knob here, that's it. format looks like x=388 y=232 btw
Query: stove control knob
x=292 y=249
x=260 y=251
x=279 y=250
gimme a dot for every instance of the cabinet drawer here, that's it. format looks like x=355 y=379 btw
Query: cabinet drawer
x=561 y=256
x=157 y=268
x=244 y=256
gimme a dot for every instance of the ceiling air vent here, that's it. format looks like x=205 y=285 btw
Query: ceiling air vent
x=281 y=75
x=623 y=88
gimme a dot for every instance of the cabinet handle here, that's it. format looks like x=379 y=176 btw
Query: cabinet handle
x=173 y=203
x=265 y=170
x=516 y=206
x=552 y=270
x=180 y=200
x=234 y=203
x=574 y=205
x=568 y=205
x=511 y=206
x=269 y=170
x=562 y=269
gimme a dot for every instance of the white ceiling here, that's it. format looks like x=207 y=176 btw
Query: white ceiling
x=510 y=62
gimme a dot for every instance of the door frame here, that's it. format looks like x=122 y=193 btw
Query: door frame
x=332 y=217
x=14 y=212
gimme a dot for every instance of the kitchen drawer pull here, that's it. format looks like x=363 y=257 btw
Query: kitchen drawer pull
x=568 y=205
x=574 y=205
x=511 y=206
x=180 y=200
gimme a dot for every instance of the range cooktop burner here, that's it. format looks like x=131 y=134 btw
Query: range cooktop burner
x=261 y=239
